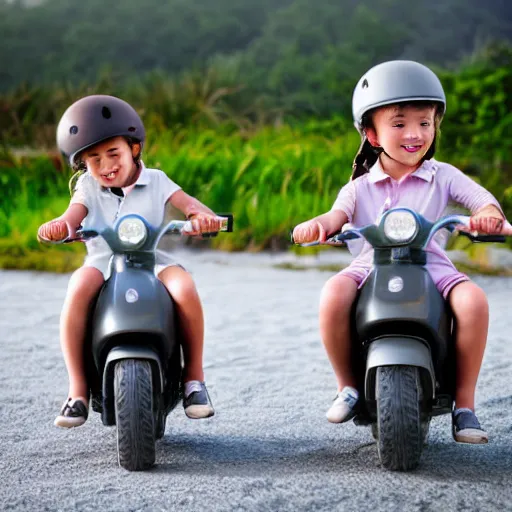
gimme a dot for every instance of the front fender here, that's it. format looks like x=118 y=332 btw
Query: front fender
x=398 y=351
x=117 y=354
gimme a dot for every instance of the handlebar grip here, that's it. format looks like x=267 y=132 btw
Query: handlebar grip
x=229 y=225
x=227 y=228
x=86 y=233
x=484 y=238
x=82 y=235
x=344 y=236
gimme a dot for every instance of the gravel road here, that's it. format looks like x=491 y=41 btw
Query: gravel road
x=269 y=446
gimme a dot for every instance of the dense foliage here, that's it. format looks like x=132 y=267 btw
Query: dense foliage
x=298 y=54
x=247 y=104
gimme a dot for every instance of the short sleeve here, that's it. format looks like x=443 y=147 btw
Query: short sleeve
x=346 y=200
x=83 y=193
x=167 y=186
x=468 y=193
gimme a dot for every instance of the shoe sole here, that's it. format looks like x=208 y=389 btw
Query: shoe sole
x=471 y=436
x=351 y=415
x=67 y=422
x=197 y=412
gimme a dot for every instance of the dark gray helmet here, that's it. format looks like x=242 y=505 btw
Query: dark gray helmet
x=93 y=119
x=392 y=82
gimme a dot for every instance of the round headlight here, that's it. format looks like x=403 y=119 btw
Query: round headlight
x=400 y=226
x=132 y=232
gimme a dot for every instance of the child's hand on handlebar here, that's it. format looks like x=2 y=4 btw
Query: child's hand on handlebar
x=490 y=221
x=489 y=225
x=53 y=231
x=205 y=223
x=310 y=231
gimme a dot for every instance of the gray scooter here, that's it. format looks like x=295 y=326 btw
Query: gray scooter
x=402 y=335
x=132 y=349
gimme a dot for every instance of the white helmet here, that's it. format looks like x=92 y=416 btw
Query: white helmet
x=395 y=81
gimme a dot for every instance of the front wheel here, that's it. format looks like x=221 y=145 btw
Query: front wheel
x=400 y=429
x=133 y=397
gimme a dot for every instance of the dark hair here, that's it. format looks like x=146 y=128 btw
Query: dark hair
x=80 y=168
x=367 y=154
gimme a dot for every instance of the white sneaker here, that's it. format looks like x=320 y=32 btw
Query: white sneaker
x=343 y=406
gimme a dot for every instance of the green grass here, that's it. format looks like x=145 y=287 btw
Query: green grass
x=270 y=181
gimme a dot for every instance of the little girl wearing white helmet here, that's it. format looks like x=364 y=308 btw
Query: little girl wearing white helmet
x=398 y=107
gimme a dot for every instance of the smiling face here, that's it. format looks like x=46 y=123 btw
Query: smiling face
x=111 y=162
x=405 y=133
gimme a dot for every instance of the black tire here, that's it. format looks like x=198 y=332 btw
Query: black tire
x=160 y=426
x=375 y=431
x=133 y=397
x=400 y=429
x=425 y=428
x=425 y=425
x=97 y=402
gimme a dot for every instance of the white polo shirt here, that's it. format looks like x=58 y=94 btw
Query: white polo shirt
x=146 y=198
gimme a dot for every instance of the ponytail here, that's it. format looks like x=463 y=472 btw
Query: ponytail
x=74 y=180
x=365 y=158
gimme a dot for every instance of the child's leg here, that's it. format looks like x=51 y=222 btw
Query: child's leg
x=471 y=310
x=180 y=285
x=83 y=286
x=335 y=306
x=336 y=302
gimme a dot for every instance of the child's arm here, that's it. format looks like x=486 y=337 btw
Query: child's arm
x=486 y=213
x=60 y=228
x=319 y=228
x=203 y=219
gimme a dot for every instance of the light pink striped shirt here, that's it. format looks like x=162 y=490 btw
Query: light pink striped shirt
x=426 y=191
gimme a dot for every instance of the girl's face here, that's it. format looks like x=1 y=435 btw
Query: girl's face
x=111 y=162
x=404 y=132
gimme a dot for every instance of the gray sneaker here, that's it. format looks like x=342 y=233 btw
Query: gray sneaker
x=197 y=403
x=343 y=407
x=466 y=427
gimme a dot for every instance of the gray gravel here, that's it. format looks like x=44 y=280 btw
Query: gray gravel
x=269 y=447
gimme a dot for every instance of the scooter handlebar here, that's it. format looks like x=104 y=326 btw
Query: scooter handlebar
x=179 y=227
x=81 y=235
x=84 y=234
x=501 y=239
x=335 y=239
x=450 y=222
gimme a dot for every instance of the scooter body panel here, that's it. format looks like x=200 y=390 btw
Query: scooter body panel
x=134 y=318
x=133 y=308
x=402 y=300
x=400 y=318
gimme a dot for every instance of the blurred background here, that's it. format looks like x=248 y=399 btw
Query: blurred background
x=247 y=103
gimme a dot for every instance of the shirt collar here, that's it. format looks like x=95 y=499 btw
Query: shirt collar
x=144 y=176
x=425 y=172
